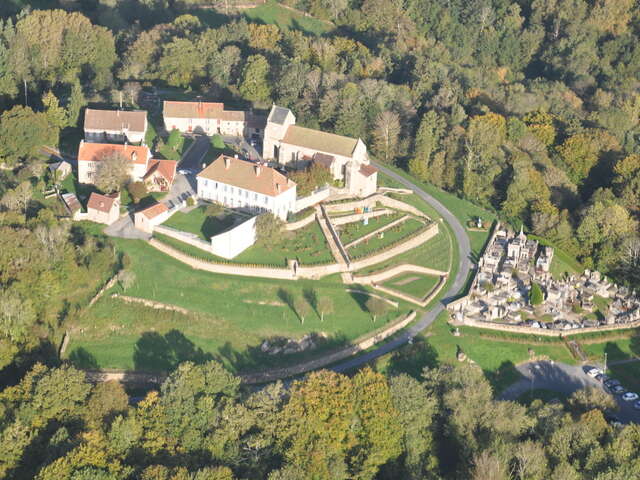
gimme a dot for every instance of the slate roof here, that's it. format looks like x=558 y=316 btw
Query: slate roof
x=115 y=120
x=320 y=141
x=243 y=174
x=278 y=114
x=93 y=152
x=367 y=170
x=324 y=159
x=72 y=202
x=102 y=203
x=154 y=210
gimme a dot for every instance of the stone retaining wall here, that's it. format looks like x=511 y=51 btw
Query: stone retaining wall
x=397 y=270
x=272 y=375
x=333 y=239
x=422 y=302
x=543 y=332
x=184 y=237
x=312 y=199
x=106 y=287
x=290 y=227
x=371 y=202
x=358 y=217
x=401 y=191
x=151 y=304
x=399 y=205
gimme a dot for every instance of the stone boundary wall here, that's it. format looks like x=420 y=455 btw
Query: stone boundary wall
x=371 y=201
x=334 y=235
x=356 y=217
x=413 y=242
x=183 y=237
x=312 y=199
x=396 y=270
x=546 y=332
x=399 y=205
x=400 y=191
x=422 y=302
x=224 y=268
x=375 y=232
x=151 y=304
x=112 y=281
x=290 y=227
x=277 y=374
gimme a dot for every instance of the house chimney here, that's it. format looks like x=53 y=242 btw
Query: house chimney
x=258 y=169
x=278 y=187
x=134 y=157
x=227 y=162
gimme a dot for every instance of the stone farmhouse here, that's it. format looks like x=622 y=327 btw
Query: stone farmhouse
x=158 y=174
x=211 y=118
x=292 y=145
x=103 y=208
x=115 y=126
x=240 y=184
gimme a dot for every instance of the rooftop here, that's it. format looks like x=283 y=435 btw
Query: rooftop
x=211 y=110
x=166 y=168
x=368 y=170
x=102 y=203
x=278 y=114
x=154 y=210
x=93 y=152
x=320 y=141
x=109 y=120
x=247 y=175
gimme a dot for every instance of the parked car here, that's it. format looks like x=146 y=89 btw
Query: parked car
x=601 y=377
x=183 y=171
x=612 y=382
x=636 y=405
x=630 y=397
x=594 y=372
x=618 y=390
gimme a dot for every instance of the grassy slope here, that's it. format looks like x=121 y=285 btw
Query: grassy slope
x=227 y=321
x=417 y=288
x=272 y=13
x=197 y=222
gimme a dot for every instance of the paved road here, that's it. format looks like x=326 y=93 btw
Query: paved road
x=562 y=378
x=461 y=277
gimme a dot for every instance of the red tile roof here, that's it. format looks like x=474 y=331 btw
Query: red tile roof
x=94 y=152
x=368 y=170
x=154 y=210
x=166 y=168
x=247 y=175
x=102 y=203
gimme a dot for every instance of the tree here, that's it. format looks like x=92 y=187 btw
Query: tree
x=536 y=296
x=181 y=63
x=137 y=190
x=114 y=169
x=302 y=308
x=255 y=84
x=427 y=142
x=126 y=278
x=56 y=115
x=77 y=100
x=307 y=180
x=325 y=306
x=23 y=132
x=386 y=135
x=268 y=228
x=590 y=398
x=376 y=306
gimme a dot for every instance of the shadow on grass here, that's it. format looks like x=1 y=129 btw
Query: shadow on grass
x=83 y=359
x=155 y=352
x=412 y=359
x=502 y=377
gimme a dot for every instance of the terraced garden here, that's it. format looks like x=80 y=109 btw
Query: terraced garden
x=413 y=284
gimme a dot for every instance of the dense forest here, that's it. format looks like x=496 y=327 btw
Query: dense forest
x=530 y=108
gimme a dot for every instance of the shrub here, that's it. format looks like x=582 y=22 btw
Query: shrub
x=535 y=295
x=174 y=139
x=190 y=202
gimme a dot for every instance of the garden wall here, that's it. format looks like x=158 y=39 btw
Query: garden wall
x=189 y=238
x=316 y=197
x=396 y=270
x=300 y=223
x=357 y=217
x=371 y=201
x=233 y=242
x=545 y=332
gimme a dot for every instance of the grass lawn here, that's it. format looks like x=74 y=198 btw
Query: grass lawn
x=199 y=223
x=616 y=349
x=176 y=153
x=230 y=317
x=390 y=237
x=352 y=231
x=272 y=13
x=628 y=374
x=419 y=286
x=214 y=152
x=496 y=356
x=307 y=244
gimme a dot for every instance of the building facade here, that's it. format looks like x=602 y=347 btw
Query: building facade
x=103 y=208
x=115 y=126
x=148 y=218
x=244 y=185
x=212 y=118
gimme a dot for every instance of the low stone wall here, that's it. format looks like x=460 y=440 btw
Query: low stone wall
x=397 y=270
x=333 y=239
x=184 y=237
x=224 y=268
x=106 y=287
x=400 y=191
x=546 y=332
x=422 y=302
x=272 y=375
x=358 y=217
x=371 y=201
x=344 y=206
x=151 y=304
x=290 y=227
x=399 y=205
x=313 y=199
x=402 y=247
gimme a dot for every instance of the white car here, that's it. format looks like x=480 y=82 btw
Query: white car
x=630 y=396
x=594 y=372
x=183 y=171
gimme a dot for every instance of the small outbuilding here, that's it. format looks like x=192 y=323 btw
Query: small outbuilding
x=103 y=208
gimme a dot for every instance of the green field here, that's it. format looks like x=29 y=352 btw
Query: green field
x=419 y=287
x=389 y=237
x=176 y=153
x=352 y=231
x=274 y=14
x=496 y=356
x=199 y=223
x=229 y=318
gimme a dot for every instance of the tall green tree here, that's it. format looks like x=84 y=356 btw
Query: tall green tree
x=255 y=84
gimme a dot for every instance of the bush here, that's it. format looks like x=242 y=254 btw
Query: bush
x=137 y=191
x=190 y=202
x=535 y=295
x=218 y=142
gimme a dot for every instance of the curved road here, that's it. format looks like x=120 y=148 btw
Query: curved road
x=428 y=318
